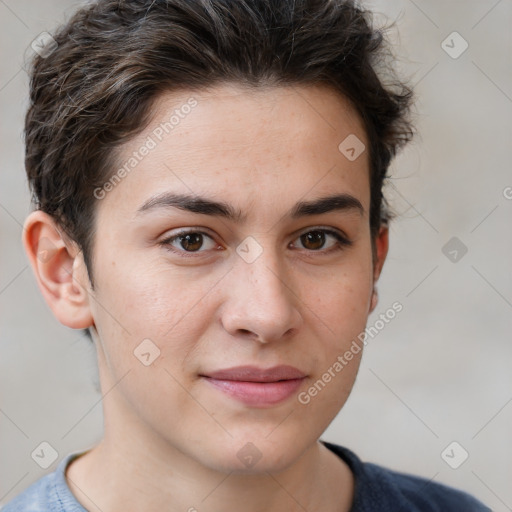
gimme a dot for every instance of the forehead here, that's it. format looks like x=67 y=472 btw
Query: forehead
x=249 y=145
x=243 y=115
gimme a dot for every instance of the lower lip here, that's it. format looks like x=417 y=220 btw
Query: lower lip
x=257 y=393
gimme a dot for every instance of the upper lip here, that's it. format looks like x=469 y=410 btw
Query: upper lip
x=255 y=374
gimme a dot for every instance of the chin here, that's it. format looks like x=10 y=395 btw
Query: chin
x=255 y=454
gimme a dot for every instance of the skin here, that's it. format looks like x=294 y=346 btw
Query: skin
x=171 y=439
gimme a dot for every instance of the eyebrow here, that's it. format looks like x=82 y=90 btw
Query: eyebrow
x=206 y=206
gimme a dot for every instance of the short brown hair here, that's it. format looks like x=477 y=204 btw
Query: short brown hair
x=115 y=57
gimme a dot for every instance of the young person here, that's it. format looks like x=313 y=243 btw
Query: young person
x=208 y=180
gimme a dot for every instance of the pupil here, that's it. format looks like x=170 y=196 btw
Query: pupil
x=191 y=241
x=316 y=238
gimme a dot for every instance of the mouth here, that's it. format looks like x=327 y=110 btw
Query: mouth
x=257 y=387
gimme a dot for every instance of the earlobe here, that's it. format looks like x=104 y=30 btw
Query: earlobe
x=381 y=251
x=374 y=300
x=59 y=270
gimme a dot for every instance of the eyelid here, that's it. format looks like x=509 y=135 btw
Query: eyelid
x=341 y=239
x=326 y=229
x=166 y=242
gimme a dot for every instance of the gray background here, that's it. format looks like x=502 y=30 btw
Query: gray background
x=439 y=372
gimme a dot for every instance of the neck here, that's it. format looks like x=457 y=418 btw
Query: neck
x=122 y=476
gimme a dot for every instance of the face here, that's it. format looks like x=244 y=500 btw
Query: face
x=240 y=237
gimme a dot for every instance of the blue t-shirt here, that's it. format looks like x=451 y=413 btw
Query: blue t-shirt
x=377 y=489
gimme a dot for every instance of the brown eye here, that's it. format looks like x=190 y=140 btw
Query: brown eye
x=313 y=240
x=191 y=241
x=317 y=240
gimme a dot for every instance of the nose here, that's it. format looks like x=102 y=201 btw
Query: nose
x=261 y=302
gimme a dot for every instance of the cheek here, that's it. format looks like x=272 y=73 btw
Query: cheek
x=151 y=301
x=342 y=307
x=342 y=302
x=150 y=316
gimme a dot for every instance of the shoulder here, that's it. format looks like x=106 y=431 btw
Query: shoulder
x=378 y=489
x=418 y=494
x=33 y=499
x=48 y=494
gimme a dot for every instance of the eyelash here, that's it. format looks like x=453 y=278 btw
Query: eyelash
x=341 y=244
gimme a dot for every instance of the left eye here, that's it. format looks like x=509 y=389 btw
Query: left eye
x=315 y=240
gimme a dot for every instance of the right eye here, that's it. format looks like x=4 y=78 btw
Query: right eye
x=188 y=242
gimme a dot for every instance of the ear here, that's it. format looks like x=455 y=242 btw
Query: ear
x=381 y=251
x=59 y=270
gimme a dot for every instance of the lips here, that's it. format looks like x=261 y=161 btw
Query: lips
x=254 y=374
x=258 y=387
